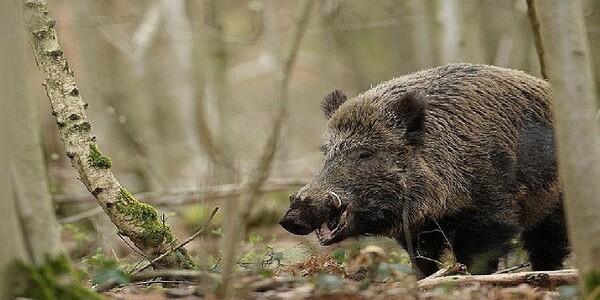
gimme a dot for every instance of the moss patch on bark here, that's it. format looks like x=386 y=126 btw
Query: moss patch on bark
x=97 y=159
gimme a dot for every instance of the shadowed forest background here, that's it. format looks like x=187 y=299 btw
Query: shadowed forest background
x=182 y=96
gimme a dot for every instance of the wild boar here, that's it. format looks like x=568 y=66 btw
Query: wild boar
x=457 y=157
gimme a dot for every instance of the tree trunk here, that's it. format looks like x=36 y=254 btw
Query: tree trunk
x=567 y=59
x=461 y=31
x=13 y=244
x=425 y=33
x=182 y=88
x=36 y=213
x=142 y=106
x=136 y=220
x=12 y=247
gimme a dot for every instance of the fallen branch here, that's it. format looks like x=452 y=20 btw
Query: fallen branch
x=540 y=279
x=195 y=195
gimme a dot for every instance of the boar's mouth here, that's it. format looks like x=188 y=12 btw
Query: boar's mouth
x=335 y=228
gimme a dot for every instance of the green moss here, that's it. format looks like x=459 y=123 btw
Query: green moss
x=591 y=281
x=54 y=280
x=154 y=232
x=125 y=196
x=97 y=159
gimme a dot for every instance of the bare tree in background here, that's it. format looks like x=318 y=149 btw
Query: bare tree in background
x=30 y=232
x=514 y=45
x=337 y=43
x=262 y=169
x=461 y=31
x=142 y=104
x=425 y=32
x=36 y=212
x=569 y=70
x=12 y=247
x=179 y=76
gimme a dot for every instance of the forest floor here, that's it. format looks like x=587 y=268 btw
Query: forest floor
x=274 y=264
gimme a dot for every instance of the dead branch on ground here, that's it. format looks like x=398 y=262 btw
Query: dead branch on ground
x=540 y=279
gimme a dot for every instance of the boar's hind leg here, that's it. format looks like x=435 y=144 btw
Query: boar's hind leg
x=480 y=244
x=547 y=243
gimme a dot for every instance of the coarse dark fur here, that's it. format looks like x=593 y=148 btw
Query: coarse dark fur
x=456 y=157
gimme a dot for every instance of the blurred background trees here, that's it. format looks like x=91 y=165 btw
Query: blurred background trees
x=176 y=89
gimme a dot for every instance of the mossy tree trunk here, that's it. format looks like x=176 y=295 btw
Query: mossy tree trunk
x=136 y=220
x=569 y=70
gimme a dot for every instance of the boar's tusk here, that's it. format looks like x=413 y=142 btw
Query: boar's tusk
x=338 y=203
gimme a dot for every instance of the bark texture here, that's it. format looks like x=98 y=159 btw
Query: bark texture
x=136 y=220
x=569 y=69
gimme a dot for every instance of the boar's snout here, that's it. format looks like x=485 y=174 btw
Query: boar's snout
x=295 y=220
x=300 y=217
x=293 y=223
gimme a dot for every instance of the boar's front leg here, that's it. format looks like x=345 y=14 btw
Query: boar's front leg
x=427 y=245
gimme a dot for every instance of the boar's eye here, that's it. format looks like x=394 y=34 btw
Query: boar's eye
x=365 y=154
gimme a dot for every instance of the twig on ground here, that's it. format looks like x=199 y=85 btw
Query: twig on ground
x=162 y=282
x=511 y=269
x=132 y=247
x=452 y=269
x=191 y=276
x=189 y=239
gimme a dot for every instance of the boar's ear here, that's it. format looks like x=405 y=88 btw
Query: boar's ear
x=332 y=101
x=410 y=110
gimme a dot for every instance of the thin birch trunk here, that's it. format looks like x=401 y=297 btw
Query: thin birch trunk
x=261 y=170
x=180 y=75
x=143 y=104
x=425 y=33
x=461 y=31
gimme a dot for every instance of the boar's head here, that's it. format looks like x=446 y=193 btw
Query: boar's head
x=371 y=151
